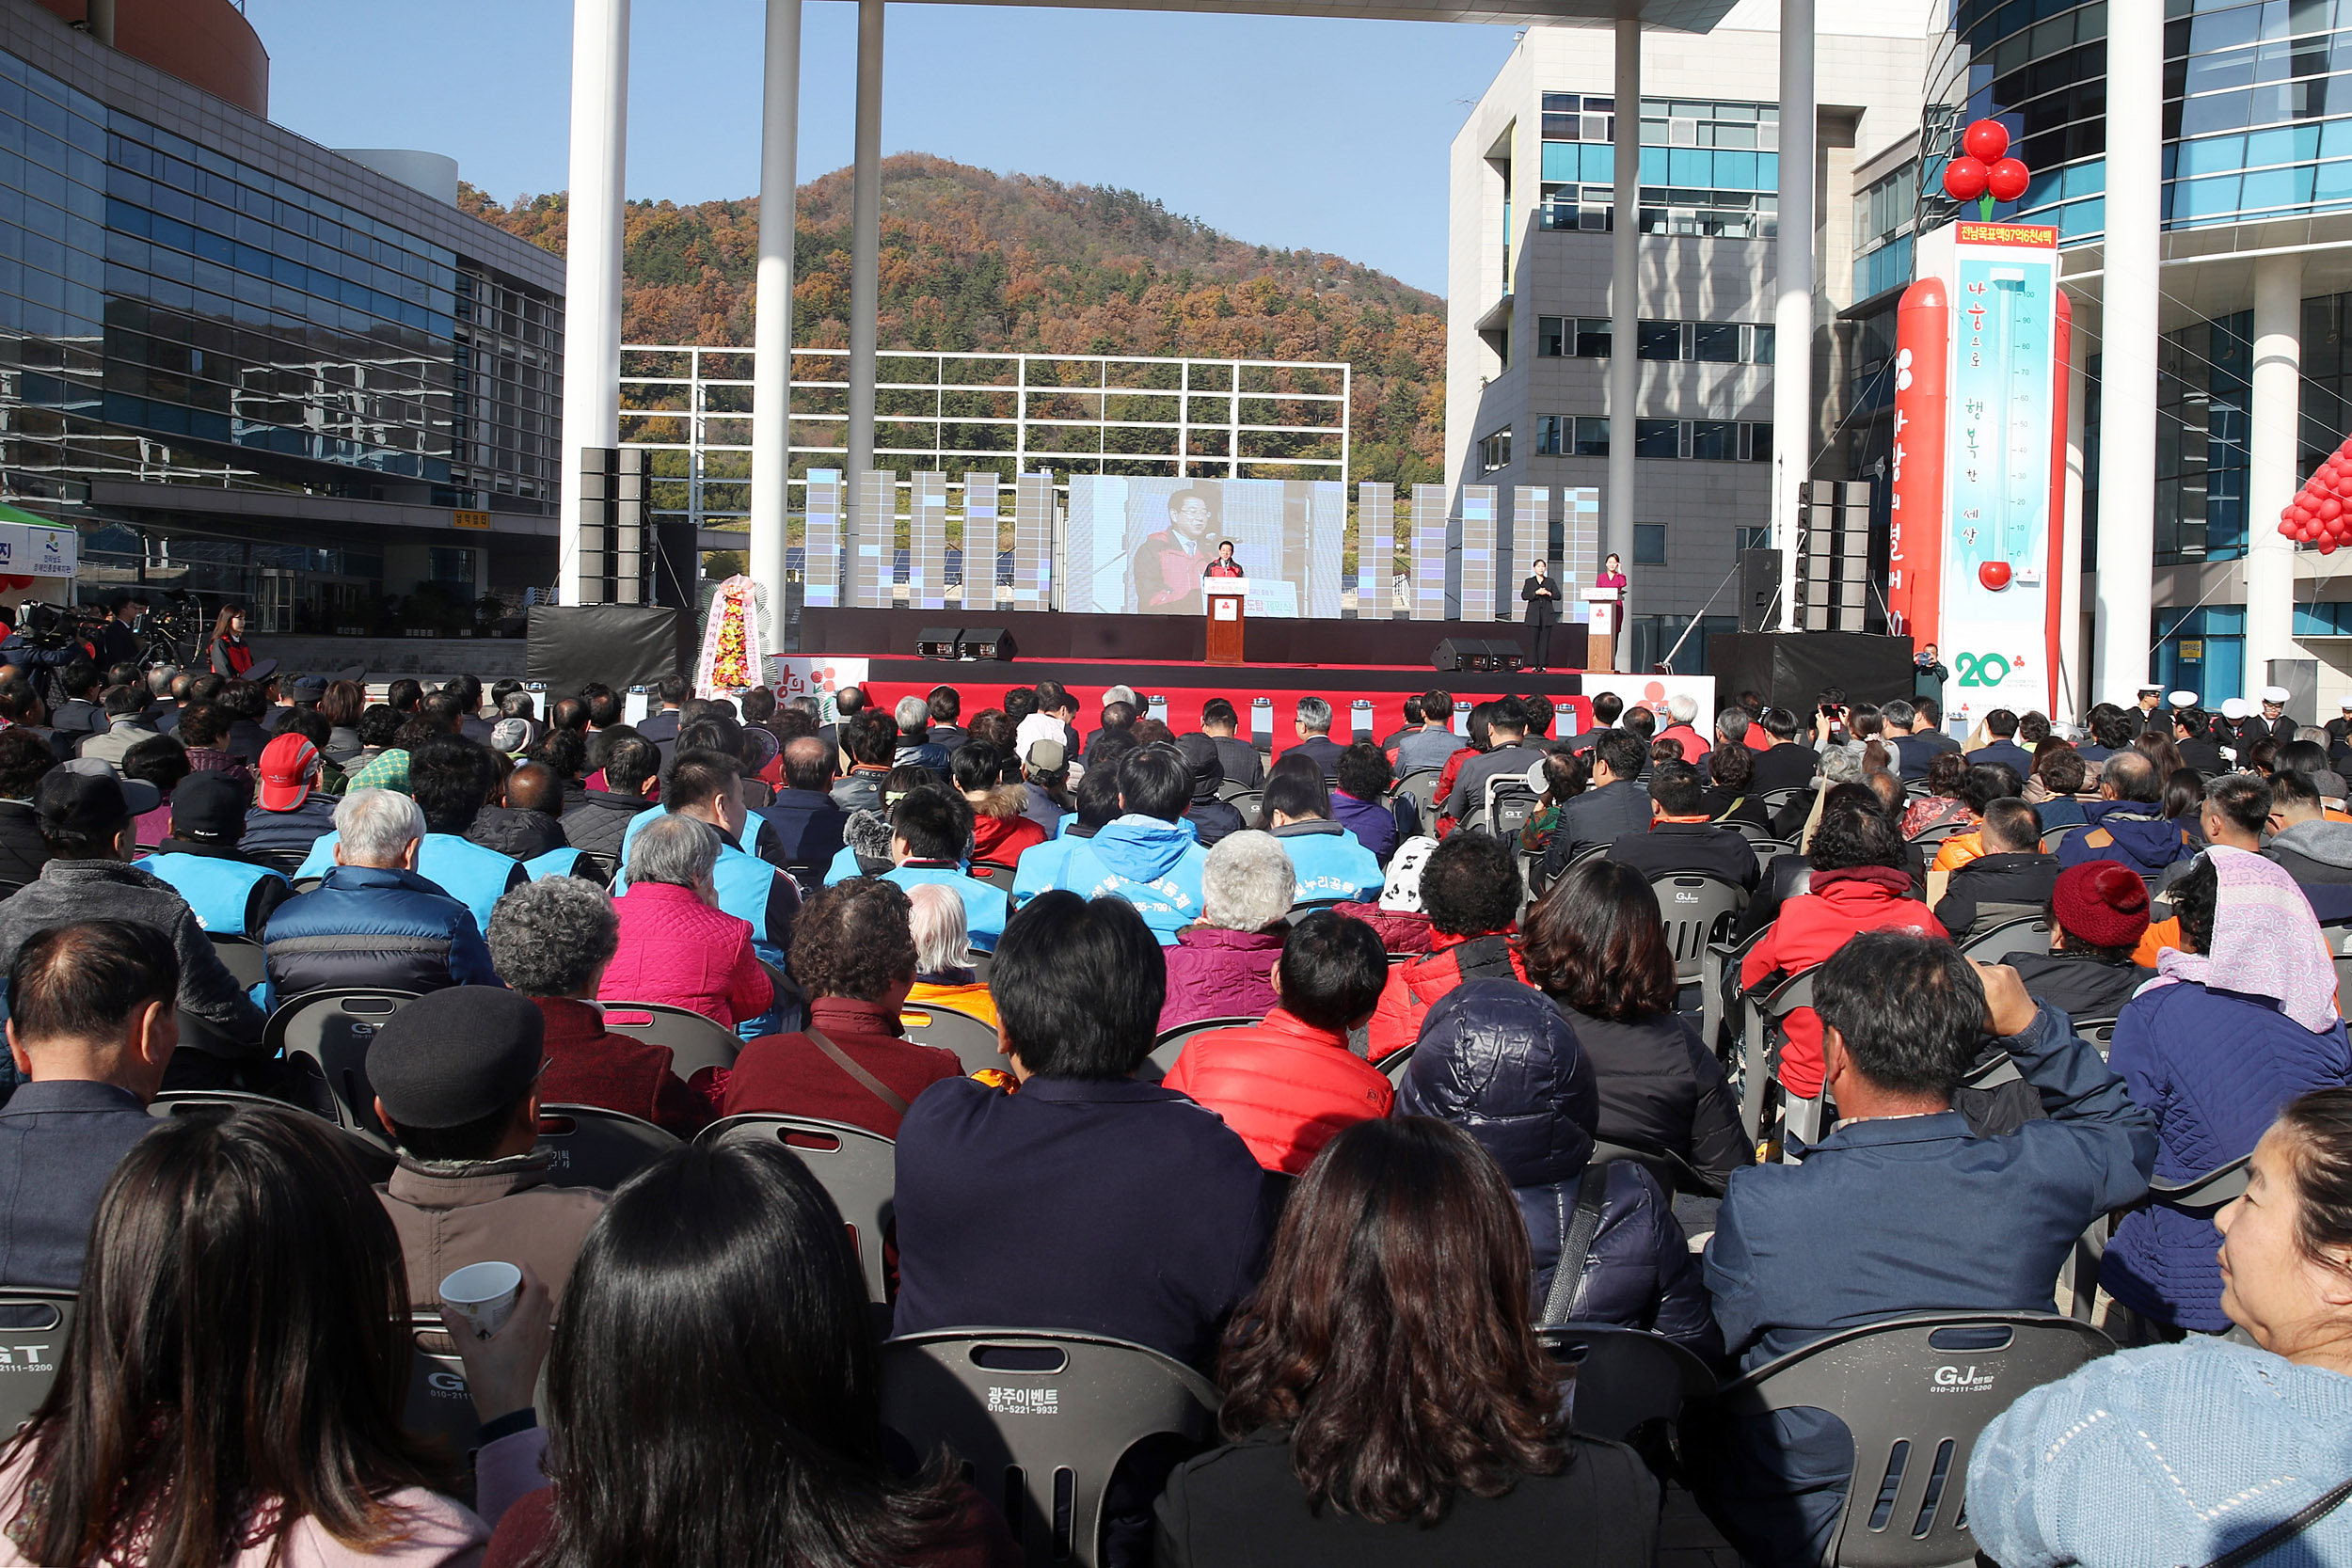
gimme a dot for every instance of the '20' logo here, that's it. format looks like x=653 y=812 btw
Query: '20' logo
x=1980 y=669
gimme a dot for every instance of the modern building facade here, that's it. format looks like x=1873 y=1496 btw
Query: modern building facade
x=245 y=365
x=1529 y=295
x=2234 y=372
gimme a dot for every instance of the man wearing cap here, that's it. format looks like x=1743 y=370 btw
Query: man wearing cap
x=455 y=1077
x=2101 y=912
x=287 y=700
x=2150 y=698
x=290 y=813
x=2273 y=718
x=1211 y=818
x=86 y=815
x=1045 y=778
x=231 y=896
x=373 y=920
x=126 y=725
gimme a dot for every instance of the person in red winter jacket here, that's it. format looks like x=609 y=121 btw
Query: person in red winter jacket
x=1222 y=965
x=1470 y=891
x=1858 y=882
x=1000 y=832
x=1290 y=1085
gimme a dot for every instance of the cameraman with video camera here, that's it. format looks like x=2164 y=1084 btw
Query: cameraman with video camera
x=37 y=642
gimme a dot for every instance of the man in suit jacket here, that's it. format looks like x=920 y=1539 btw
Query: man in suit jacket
x=1543 y=610
x=661 y=728
x=1616 y=803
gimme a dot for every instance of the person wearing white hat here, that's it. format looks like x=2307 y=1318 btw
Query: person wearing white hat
x=2150 y=698
x=2183 y=699
x=2341 y=725
x=2234 y=709
x=2273 y=721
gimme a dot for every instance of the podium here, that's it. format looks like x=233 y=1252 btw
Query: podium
x=1600 y=633
x=1224 y=598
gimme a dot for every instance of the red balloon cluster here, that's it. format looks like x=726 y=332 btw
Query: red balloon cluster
x=2321 y=514
x=1983 y=167
x=9 y=583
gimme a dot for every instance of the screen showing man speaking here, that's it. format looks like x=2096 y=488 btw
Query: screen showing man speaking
x=1142 y=547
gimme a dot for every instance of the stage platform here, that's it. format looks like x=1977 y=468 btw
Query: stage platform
x=1173 y=640
x=1186 y=686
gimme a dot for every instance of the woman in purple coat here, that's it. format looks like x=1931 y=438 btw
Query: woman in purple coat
x=1222 y=965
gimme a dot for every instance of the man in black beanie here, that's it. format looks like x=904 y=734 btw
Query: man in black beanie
x=456 y=1075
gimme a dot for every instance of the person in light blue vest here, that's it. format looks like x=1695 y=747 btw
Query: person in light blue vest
x=1041 y=867
x=1149 y=854
x=1331 y=862
x=708 y=785
x=230 y=895
x=928 y=830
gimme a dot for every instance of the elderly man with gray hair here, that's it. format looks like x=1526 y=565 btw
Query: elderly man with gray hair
x=1313 y=723
x=1682 y=712
x=915 y=745
x=1222 y=965
x=373 y=920
x=551 y=941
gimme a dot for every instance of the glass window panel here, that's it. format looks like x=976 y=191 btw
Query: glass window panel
x=2213 y=154
x=2222 y=111
x=2205 y=199
x=2276 y=187
x=1649 y=543
x=1659 y=341
x=1715 y=342
x=1658 y=437
x=1551 y=337
x=1592 y=334
x=1592 y=437
x=2334 y=183
x=1716 y=440
x=1690 y=167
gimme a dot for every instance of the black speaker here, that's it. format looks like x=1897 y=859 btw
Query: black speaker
x=937 y=643
x=1481 y=655
x=1503 y=652
x=1759 y=586
x=990 y=643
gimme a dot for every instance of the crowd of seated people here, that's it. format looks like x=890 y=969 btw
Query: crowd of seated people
x=1362 y=1258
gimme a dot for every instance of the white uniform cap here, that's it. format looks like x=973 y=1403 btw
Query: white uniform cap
x=2274 y=694
x=2183 y=699
x=2235 y=708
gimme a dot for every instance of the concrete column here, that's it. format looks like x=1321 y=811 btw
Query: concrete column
x=2272 y=428
x=592 y=265
x=771 y=313
x=2127 y=367
x=102 y=22
x=1793 y=305
x=1624 y=365
x=2070 y=585
x=866 y=235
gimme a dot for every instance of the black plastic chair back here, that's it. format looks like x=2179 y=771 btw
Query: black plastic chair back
x=589 y=1146
x=332 y=1029
x=1171 y=1042
x=34 y=1323
x=1625 y=1378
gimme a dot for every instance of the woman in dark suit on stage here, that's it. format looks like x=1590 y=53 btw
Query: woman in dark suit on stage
x=1542 y=594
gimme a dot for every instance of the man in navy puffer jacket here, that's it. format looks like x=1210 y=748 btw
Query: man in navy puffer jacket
x=1499 y=1060
x=375 y=922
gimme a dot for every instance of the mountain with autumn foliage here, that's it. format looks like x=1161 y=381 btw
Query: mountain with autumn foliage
x=979 y=261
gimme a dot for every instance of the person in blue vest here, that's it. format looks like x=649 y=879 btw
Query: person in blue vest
x=1147 y=855
x=451 y=780
x=1331 y=862
x=230 y=895
x=708 y=785
x=930 y=829
x=374 y=921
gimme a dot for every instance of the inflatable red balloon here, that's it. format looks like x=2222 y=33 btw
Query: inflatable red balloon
x=1986 y=140
x=2006 y=180
x=1994 y=575
x=1964 y=178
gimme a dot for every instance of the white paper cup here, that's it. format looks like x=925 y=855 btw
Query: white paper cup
x=484 y=1294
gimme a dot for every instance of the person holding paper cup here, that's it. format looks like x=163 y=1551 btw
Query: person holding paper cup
x=456 y=1080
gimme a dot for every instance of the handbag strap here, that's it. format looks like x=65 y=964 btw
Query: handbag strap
x=1567 y=1275
x=872 y=1084
x=2285 y=1529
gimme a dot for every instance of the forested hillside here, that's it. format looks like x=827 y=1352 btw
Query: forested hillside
x=977 y=260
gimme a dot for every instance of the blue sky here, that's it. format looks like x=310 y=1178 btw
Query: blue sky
x=1280 y=131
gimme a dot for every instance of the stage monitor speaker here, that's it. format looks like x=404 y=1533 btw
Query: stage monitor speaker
x=1504 y=653
x=988 y=642
x=1759 y=584
x=1480 y=655
x=937 y=642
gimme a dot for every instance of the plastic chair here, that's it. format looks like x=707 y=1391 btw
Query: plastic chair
x=995 y=873
x=859 y=1168
x=1915 y=1393
x=1763 y=1029
x=1776 y=800
x=973 y=1039
x=1698 y=909
x=592 y=1146
x=1306 y=907
x=330 y=1029
x=1026 y=1408
x=694 y=1041
x=1674 y=1173
x=440 y=1406
x=1171 y=1044
x=2202 y=1195
x=1625 y=1377
x=2098 y=1030
x=241 y=955
x=1227 y=789
x=1509 y=806
x=2029 y=934
x=2056 y=837
x=1395 y=1062
x=1930 y=837
x=1422 y=785
x=375 y=1157
x=1758 y=837
x=34 y=1323
x=1718 y=987
x=1250 y=802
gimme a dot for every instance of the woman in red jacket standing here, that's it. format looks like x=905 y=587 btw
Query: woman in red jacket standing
x=1858 y=883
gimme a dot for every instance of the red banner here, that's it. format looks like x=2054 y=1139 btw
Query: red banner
x=1916 y=531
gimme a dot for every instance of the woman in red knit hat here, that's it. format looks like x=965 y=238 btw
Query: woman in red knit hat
x=2098 y=912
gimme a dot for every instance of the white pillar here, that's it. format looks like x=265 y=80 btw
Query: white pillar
x=592 y=265
x=1625 y=364
x=2272 y=428
x=2127 y=367
x=2070 y=649
x=771 y=311
x=866 y=236
x=1792 y=304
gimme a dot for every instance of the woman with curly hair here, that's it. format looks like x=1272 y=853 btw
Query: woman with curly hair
x=1386 y=1396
